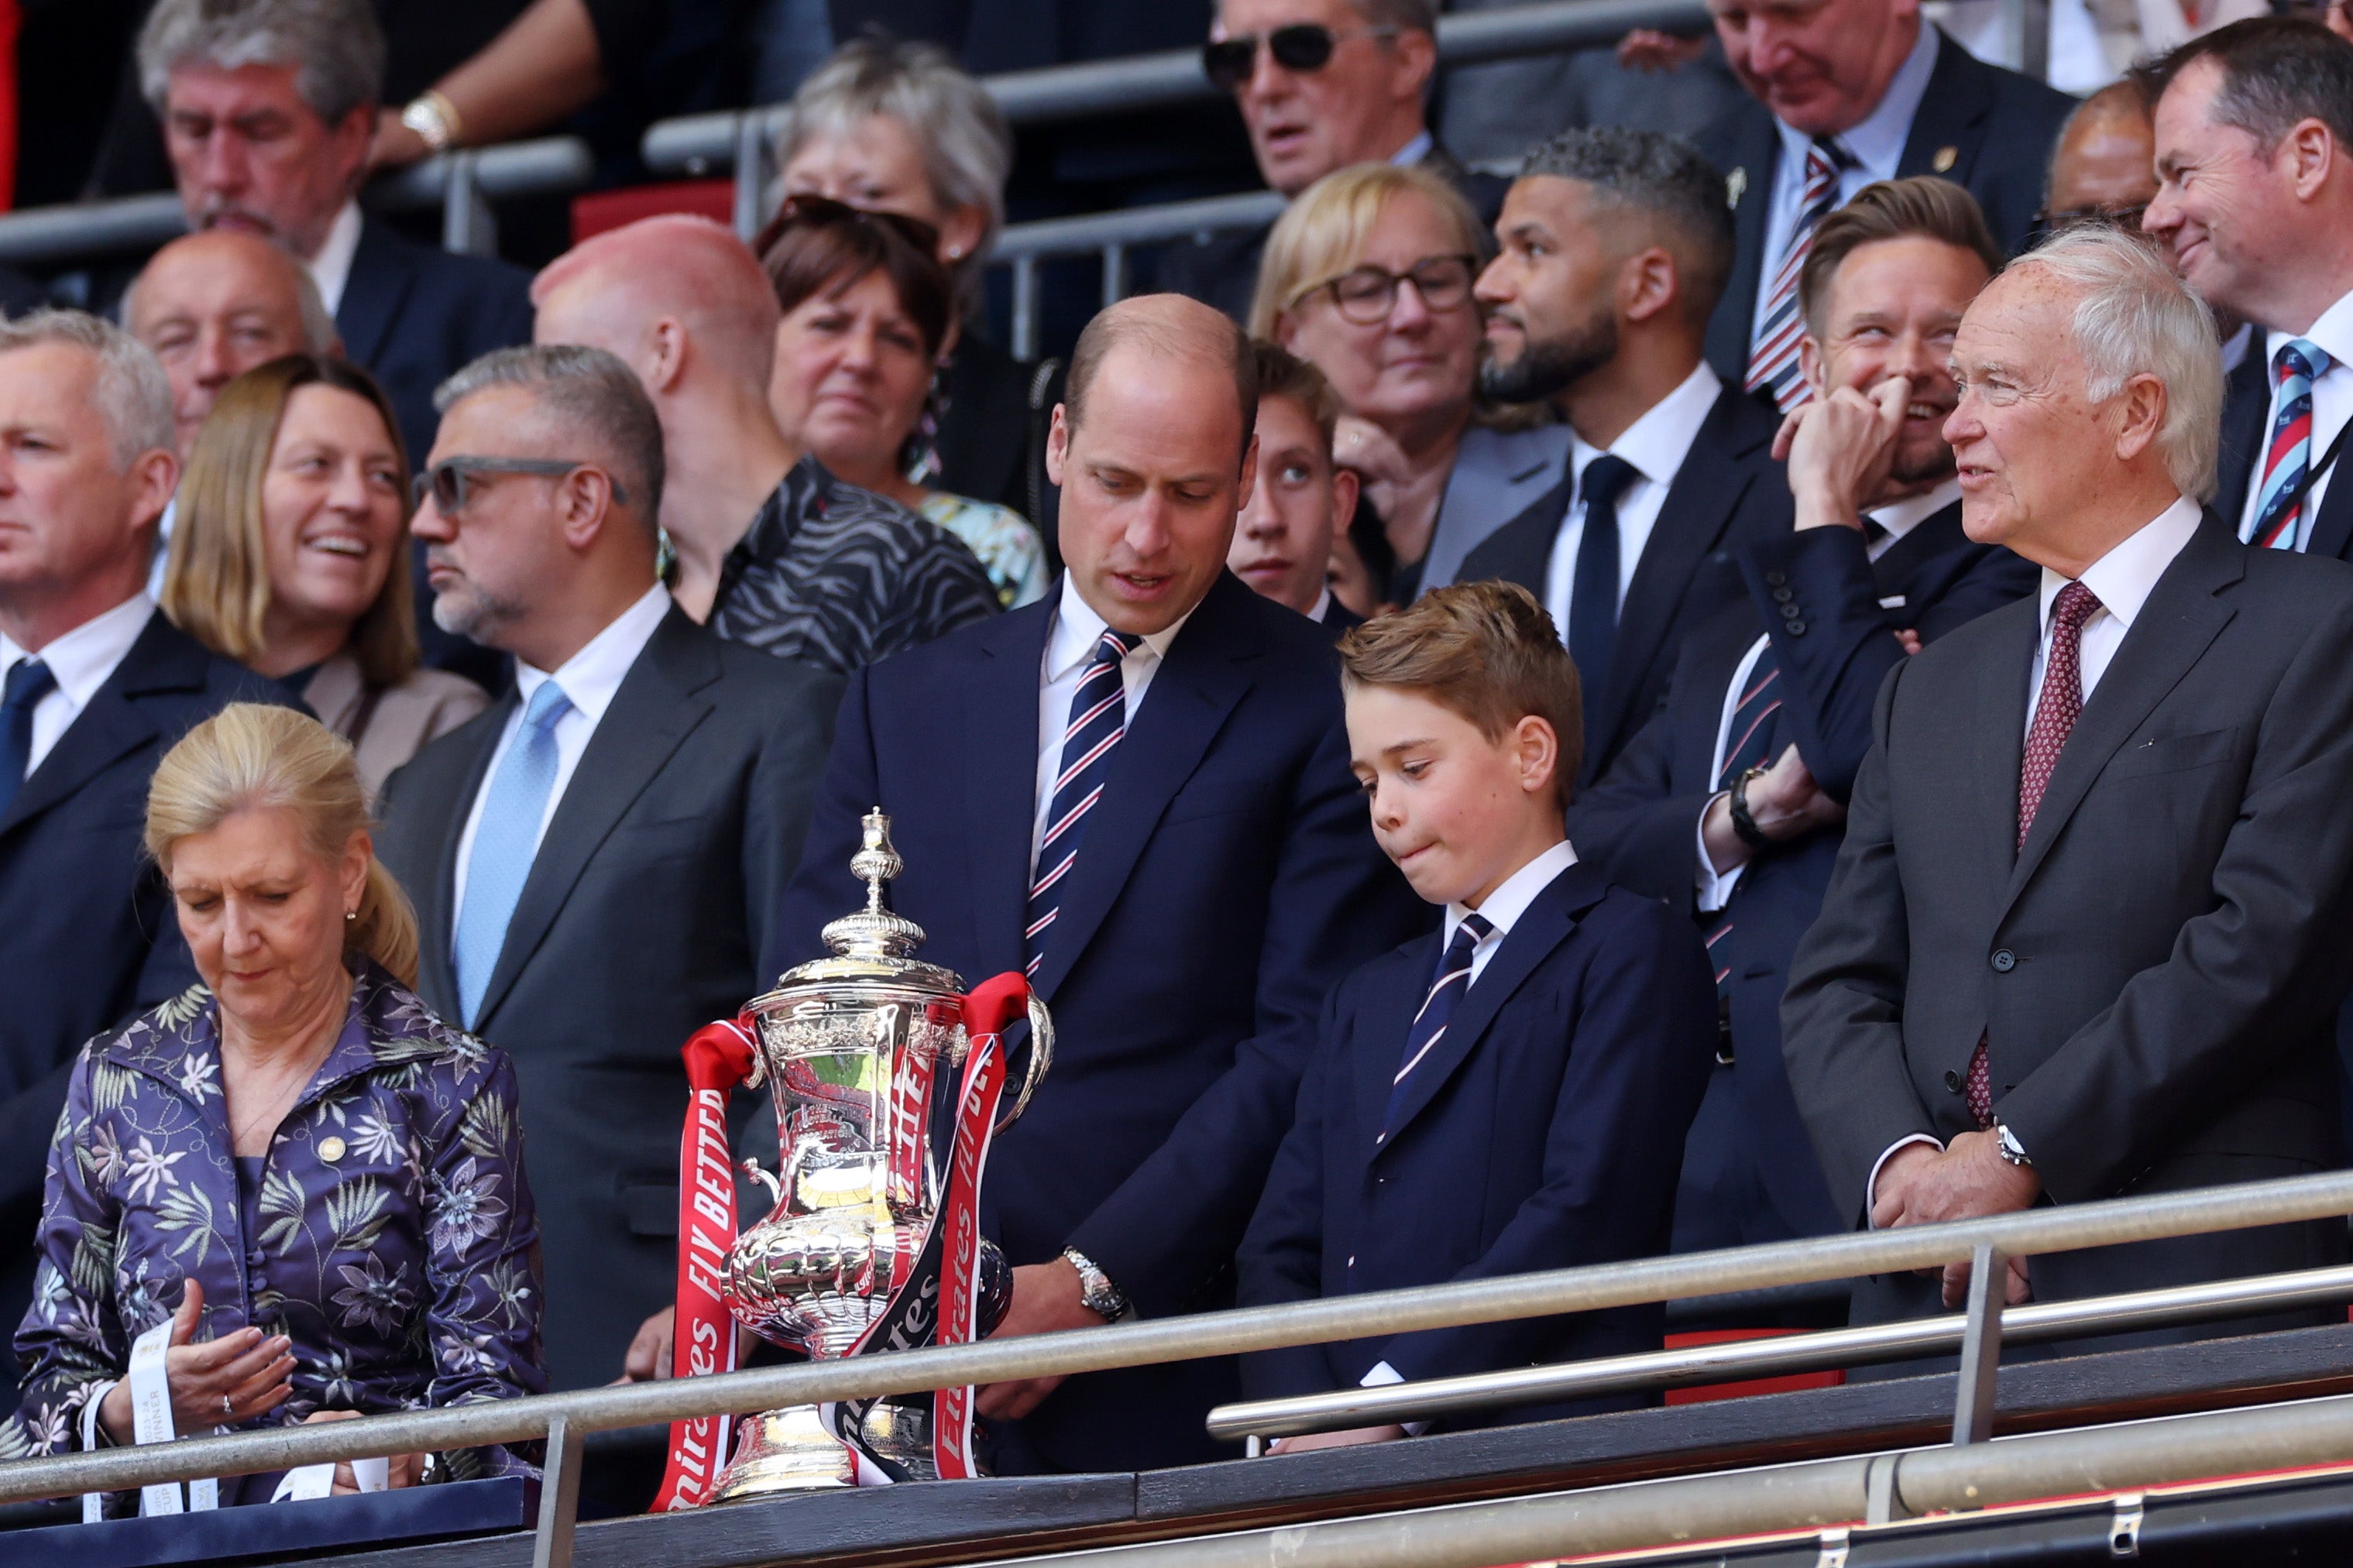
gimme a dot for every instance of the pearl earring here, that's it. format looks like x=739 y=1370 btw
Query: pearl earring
x=350 y=914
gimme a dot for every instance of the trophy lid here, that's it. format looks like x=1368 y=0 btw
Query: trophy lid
x=874 y=944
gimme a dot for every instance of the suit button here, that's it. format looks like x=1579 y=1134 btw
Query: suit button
x=1952 y=1082
x=2004 y=960
x=1783 y=595
x=1797 y=628
x=1790 y=612
x=1776 y=579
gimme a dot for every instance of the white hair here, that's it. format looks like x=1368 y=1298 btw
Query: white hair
x=2134 y=317
x=132 y=394
x=336 y=47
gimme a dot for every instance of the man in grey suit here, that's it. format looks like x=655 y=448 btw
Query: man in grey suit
x=595 y=859
x=2088 y=931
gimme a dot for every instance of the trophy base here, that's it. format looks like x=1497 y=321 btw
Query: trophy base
x=790 y=1450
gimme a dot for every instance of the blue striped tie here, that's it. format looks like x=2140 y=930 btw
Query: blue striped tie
x=1437 y=1007
x=2289 y=455
x=1773 y=357
x=1098 y=719
x=506 y=841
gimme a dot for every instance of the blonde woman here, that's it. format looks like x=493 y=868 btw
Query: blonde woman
x=1367 y=277
x=314 y=1181
x=290 y=555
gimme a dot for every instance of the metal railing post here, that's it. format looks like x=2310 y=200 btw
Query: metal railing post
x=468 y=226
x=1981 y=1345
x=1114 y=273
x=559 y=1496
x=750 y=171
x=1025 y=306
x=2028 y=22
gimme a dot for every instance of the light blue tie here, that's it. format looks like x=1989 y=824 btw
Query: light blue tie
x=505 y=841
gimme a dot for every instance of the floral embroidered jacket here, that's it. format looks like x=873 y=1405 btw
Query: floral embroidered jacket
x=396 y=1241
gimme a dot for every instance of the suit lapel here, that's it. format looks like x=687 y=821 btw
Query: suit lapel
x=1998 y=727
x=373 y=291
x=1950 y=119
x=1521 y=551
x=2174 y=630
x=437 y=911
x=1196 y=687
x=2332 y=530
x=1711 y=665
x=113 y=726
x=1000 y=792
x=1541 y=928
x=1380 y=1051
x=659 y=703
x=1934 y=535
x=1755 y=149
x=2246 y=404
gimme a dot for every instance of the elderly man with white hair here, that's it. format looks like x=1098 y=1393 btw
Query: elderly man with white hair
x=95 y=685
x=2090 y=928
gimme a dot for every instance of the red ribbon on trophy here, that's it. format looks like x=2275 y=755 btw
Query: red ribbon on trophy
x=937 y=1300
x=718 y=1057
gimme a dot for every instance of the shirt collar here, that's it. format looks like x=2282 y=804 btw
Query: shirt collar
x=331 y=268
x=1512 y=897
x=2122 y=578
x=1323 y=606
x=1415 y=150
x=82 y=658
x=591 y=677
x=1657 y=443
x=1876 y=141
x=1077 y=628
x=1901 y=517
x=2333 y=332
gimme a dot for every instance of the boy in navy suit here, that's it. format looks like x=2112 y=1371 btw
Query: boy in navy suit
x=1509 y=1095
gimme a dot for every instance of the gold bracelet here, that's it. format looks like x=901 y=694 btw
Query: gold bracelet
x=435 y=120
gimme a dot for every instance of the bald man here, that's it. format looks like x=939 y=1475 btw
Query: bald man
x=212 y=306
x=1208 y=875
x=773 y=550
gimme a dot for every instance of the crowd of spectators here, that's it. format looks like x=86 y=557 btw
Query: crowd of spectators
x=430 y=690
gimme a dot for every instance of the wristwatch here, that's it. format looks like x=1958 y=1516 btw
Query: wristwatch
x=1096 y=1293
x=434 y=119
x=1744 y=824
x=2006 y=1144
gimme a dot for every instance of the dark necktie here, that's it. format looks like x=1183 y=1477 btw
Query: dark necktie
x=2061 y=704
x=1098 y=719
x=1437 y=1007
x=1593 y=593
x=28 y=681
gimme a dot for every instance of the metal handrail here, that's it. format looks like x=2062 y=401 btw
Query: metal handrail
x=1815 y=1351
x=1147 y=1342
x=458 y=183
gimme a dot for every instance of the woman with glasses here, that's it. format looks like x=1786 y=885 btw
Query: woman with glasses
x=895 y=127
x=866 y=311
x=1369 y=277
x=290 y=554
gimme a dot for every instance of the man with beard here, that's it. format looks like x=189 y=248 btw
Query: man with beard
x=1731 y=801
x=1616 y=244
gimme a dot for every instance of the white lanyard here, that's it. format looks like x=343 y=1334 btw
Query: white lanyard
x=151 y=1421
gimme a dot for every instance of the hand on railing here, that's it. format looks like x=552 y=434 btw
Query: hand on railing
x=400 y=1469
x=220 y=1383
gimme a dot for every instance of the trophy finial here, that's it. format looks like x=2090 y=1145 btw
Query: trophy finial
x=875 y=931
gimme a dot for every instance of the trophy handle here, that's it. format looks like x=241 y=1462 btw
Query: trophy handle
x=1041 y=1057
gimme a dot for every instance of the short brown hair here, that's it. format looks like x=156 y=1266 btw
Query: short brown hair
x=1281 y=374
x=216 y=577
x=816 y=246
x=1172 y=326
x=1920 y=206
x=1487 y=651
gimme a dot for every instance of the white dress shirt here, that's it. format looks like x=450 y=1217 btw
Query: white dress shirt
x=589 y=678
x=1656 y=444
x=1501 y=909
x=1898 y=518
x=2122 y=580
x=1876 y=145
x=1069 y=646
x=82 y=660
x=1415 y=150
x=2332 y=405
x=331 y=268
x=1321 y=607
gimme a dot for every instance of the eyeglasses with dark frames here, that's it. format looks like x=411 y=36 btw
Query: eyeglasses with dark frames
x=451 y=481
x=824 y=210
x=1366 y=295
x=1300 y=47
x=2125 y=215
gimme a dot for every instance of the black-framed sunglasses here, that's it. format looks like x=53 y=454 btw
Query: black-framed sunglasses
x=2125 y=215
x=1366 y=295
x=1300 y=47
x=450 y=482
x=821 y=210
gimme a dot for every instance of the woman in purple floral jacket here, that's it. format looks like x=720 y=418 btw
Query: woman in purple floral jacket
x=319 y=1182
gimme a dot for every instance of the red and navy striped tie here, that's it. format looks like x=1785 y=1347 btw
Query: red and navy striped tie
x=2285 y=462
x=1437 y=1006
x=1773 y=360
x=1098 y=719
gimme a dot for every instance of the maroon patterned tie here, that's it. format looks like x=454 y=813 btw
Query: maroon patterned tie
x=2054 y=720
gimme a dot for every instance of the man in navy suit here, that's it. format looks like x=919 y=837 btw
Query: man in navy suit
x=1770 y=704
x=1137 y=790
x=1510 y=1094
x=95 y=685
x=1846 y=92
x=1282 y=541
x=1615 y=246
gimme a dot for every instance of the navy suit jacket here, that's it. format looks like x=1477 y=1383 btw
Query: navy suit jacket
x=92 y=937
x=1227 y=879
x=1984 y=128
x=1543 y=1131
x=1640 y=822
x=1728 y=492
